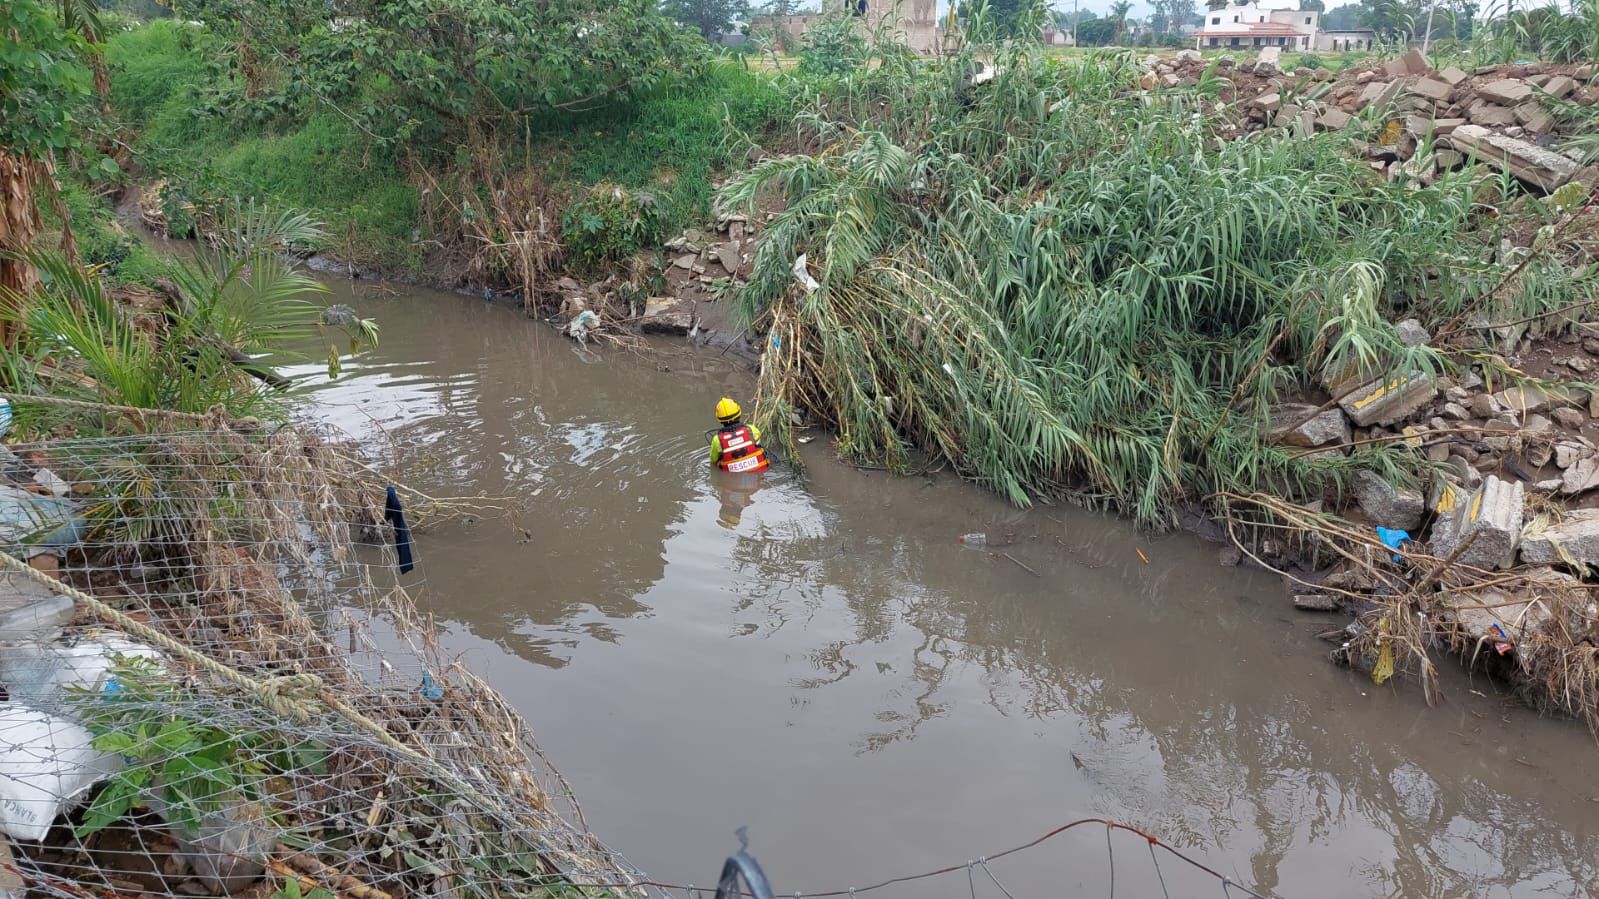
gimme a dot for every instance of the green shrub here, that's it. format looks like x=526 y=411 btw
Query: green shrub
x=610 y=224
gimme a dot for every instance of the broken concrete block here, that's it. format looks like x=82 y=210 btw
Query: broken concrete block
x=1269 y=61
x=1447 y=160
x=1387 y=505
x=1434 y=90
x=1506 y=91
x=1316 y=602
x=1377 y=93
x=1535 y=119
x=1490 y=517
x=727 y=255
x=1453 y=76
x=1441 y=127
x=1544 y=169
x=1387 y=401
x=1270 y=102
x=1334 y=119
x=666 y=315
x=1491 y=115
x=1575 y=539
x=1297 y=424
x=1560 y=86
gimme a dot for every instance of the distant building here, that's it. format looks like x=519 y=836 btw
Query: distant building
x=1347 y=39
x=915 y=22
x=1255 y=24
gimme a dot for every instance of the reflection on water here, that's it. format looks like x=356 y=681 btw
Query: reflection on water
x=817 y=658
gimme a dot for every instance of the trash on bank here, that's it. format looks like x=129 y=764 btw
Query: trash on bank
x=580 y=326
x=46 y=764
x=41 y=674
x=974 y=539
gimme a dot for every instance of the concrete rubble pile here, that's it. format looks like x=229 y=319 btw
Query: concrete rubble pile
x=702 y=264
x=1412 y=121
x=1515 y=483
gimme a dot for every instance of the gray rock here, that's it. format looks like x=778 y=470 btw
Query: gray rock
x=1386 y=504
x=1455 y=393
x=1579 y=364
x=1569 y=417
x=1574 y=539
x=1465 y=471
x=1453 y=76
x=1483 y=405
x=727 y=255
x=1581 y=476
x=1317 y=428
x=1532 y=398
x=1538 y=426
x=1568 y=454
x=1456 y=411
x=1412 y=333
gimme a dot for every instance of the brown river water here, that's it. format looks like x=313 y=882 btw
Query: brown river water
x=822 y=662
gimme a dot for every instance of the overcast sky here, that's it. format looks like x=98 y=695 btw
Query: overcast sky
x=1141 y=9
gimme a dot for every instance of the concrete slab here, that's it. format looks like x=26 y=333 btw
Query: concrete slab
x=1387 y=401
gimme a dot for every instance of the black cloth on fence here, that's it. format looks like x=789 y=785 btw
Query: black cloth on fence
x=395 y=515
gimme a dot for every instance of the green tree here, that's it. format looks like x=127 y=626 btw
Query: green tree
x=1313 y=5
x=1118 y=15
x=451 y=69
x=1182 y=13
x=45 y=89
x=1096 y=32
x=711 y=18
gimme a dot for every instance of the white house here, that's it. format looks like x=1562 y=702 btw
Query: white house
x=1258 y=23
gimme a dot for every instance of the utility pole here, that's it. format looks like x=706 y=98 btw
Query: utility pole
x=1426 y=39
x=1074 y=22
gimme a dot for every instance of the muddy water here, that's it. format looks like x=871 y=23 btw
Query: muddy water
x=822 y=662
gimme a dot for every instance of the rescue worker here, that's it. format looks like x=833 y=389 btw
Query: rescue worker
x=735 y=446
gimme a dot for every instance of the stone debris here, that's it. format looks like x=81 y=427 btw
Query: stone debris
x=1544 y=169
x=1387 y=505
x=666 y=315
x=1316 y=602
x=1384 y=402
x=1297 y=424
x=1573 y=540
x=1490 y=517
x=1533 y=398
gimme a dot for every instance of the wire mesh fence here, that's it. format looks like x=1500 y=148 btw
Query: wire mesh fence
x=216 y=685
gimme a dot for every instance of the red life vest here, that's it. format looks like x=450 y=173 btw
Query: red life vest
x=738 y=450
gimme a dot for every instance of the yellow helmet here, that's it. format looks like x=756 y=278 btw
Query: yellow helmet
x=727 y=409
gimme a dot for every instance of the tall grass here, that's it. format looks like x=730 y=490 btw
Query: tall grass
x=1054 y=282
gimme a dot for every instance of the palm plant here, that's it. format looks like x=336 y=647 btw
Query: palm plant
x=235 y=308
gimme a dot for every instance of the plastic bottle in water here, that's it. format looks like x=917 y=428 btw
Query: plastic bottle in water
x=974 y=539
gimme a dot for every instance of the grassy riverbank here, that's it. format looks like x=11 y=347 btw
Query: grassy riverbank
x=387 y=203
